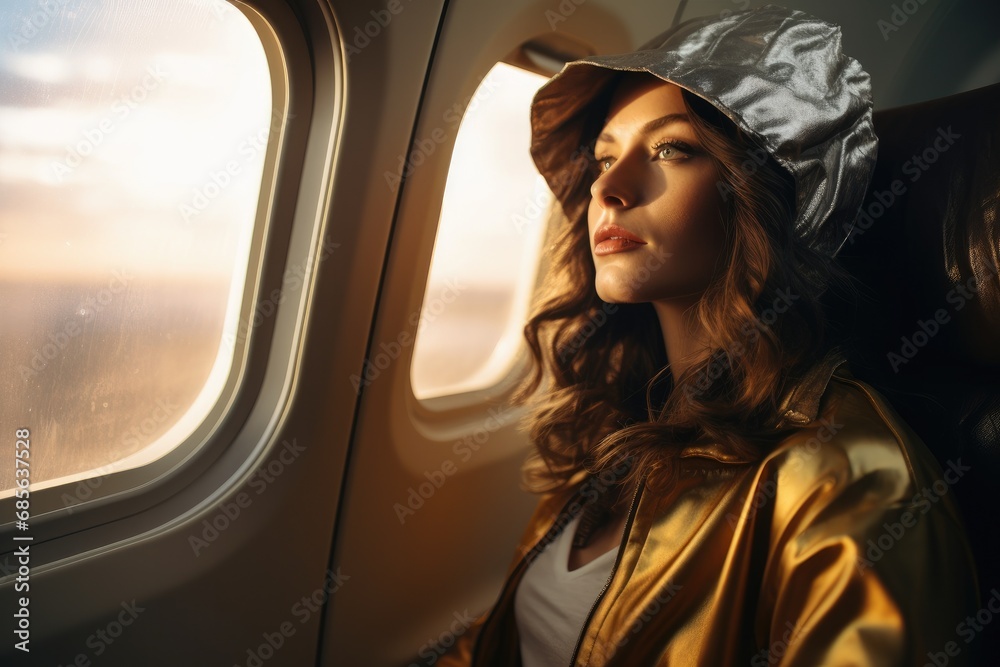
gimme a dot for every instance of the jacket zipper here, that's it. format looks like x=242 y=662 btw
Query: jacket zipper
x=614 y=568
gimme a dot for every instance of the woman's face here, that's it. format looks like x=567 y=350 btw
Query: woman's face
x=656 y=212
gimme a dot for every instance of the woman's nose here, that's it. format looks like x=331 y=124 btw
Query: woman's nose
x=614 y=188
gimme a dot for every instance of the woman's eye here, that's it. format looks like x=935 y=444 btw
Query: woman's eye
x=669 y=152
x=602 y=164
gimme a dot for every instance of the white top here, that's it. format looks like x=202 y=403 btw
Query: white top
x=552 y=603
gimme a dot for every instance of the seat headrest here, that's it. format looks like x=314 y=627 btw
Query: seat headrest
x=928 y=235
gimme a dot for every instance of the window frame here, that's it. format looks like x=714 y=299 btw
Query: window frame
x=539 y=55
x=442 y=419
x=235 y=435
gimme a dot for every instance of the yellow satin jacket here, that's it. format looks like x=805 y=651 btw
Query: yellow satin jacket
x=843 y=546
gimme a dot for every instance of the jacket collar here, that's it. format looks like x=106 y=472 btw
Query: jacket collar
x=799 y=404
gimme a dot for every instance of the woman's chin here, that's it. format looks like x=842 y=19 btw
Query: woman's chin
x=617 y=293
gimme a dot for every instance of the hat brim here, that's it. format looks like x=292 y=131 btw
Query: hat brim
x=778 y=74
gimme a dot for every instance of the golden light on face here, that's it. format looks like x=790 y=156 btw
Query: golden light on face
x=656 y=214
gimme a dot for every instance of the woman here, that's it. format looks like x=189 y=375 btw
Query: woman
x=717 y=488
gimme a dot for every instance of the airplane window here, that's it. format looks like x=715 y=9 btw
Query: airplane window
x=488 y=243
x=132 y=143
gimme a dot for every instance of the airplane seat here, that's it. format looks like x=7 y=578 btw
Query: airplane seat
x=924 y=325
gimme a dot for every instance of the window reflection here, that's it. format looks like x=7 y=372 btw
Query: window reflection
x=132 y=140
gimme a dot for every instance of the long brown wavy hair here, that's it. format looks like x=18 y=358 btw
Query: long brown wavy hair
x=610 y=393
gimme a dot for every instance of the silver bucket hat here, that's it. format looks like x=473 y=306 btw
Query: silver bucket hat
x=778 y=73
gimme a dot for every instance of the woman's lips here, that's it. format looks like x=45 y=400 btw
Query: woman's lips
x=610 y=238
x=616 y=244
